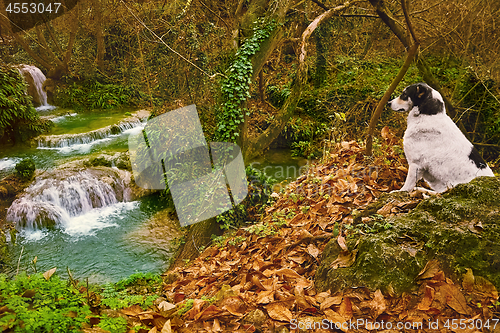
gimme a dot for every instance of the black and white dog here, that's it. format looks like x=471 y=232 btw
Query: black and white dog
x=435 y=148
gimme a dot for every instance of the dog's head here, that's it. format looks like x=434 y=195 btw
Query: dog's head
x=420 y=99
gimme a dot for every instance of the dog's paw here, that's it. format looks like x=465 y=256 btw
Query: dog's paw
x=400 y=190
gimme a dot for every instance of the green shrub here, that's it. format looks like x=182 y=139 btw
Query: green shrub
x=35 y=304
x=113 y=325
x=26 y=168
x=96 y=95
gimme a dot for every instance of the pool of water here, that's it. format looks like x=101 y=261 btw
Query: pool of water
x=97 y=245
x=108 y=243
x=280 y=164
x=70 y=122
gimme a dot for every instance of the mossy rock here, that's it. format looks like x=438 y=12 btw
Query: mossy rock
x=460 y=228
x=98 y=161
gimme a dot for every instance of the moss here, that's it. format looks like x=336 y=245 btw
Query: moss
x=461 y=229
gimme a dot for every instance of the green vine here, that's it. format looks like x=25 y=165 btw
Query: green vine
x=235 y=88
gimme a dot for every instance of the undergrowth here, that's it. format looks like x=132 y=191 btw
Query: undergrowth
x=36 y=304
x=95 y=95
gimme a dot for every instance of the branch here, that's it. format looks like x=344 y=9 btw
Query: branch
x=257 y=145
x=380 y=107
x=320 y=4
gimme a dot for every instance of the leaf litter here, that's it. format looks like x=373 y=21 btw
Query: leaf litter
x=265 y=282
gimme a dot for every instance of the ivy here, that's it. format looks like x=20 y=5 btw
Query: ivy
x=235 y=88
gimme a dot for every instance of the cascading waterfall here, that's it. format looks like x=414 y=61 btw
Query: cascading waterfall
x=71 y=140
x=56 y=198
x=35 y=79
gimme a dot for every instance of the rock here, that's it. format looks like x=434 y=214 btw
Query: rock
x=460 y=228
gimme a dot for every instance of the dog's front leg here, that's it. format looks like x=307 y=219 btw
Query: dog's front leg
x=414 y=174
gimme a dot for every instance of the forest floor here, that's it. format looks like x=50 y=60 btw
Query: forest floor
x=261 y=278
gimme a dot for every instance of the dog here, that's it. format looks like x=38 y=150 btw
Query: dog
x=435 y=148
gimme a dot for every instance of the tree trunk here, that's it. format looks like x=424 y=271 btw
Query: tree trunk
x=257 y=145
x=199 y=235
x=99 y=35
x=384 y=13
x=55 y=61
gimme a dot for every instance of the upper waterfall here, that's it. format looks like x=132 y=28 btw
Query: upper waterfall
x=35 y=79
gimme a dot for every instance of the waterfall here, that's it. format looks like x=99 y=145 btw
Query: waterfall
x=58 y=197
x=84 y=141
x=35 y=79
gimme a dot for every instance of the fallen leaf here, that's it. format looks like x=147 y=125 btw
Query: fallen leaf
x=455 y=299
x=429 y=271
x=485 y=287
x=167 y=328
x=345 y=259
x=266 y=296
x=210 y=312
x=342 y=243
x=377 y=304
x=426 y=301
x=133 y=310
x=49 y=273
x=279 y=311
x=468 y=281
x=336 y=319
x=329 y=301
x=313 y=251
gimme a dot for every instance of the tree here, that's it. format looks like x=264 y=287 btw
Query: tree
x=48 y=53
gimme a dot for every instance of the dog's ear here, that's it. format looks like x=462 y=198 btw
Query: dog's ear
x=420 y=91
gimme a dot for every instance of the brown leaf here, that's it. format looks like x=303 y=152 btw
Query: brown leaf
x=167 y=328
x=49 y=273
x=234 y=305
x=454 y=298
x=468 y=281
x=429 y=271
x=216 y=326
x=288 y=273
x=266 y=296
x=342 y=243
x=426 y=301
x=377 y=304
x=313 y=251
x=345 y=259
x=345 y=309
x=256 y=281
x=210 y=312
x=279 y=311
x=485 y=287
x=336 y=319
x=133 y=310
x=329 y=301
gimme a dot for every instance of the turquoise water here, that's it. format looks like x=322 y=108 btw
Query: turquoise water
x=102 y=244
x=98 y=245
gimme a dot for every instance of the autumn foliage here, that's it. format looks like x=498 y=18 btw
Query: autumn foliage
x=261 y=279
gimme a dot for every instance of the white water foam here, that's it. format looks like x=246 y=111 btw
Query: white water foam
x=47 y=107
x=7 y=163
x=83 y=143
x=61 y=118
x=87 y=224
x=59 y=198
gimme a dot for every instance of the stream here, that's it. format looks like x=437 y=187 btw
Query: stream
x=104 y=243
